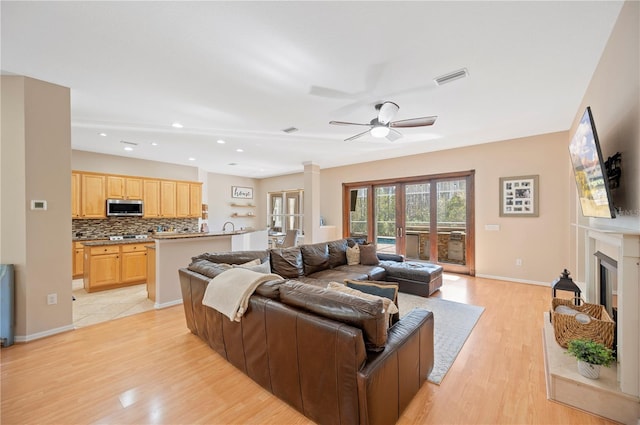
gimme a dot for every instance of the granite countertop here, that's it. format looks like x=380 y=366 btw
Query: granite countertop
x=120 y=242
x=199 y=234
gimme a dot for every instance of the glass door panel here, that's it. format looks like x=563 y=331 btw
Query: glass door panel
x=358 y=213
x=385 y=218
x=417 y=217
x=452 y=221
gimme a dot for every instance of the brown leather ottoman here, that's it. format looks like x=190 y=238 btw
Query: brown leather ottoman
x=413 y=277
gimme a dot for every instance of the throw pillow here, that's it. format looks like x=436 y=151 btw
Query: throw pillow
x=368 y=255
x=264 y=268
x=353 y=255
x=387 y=290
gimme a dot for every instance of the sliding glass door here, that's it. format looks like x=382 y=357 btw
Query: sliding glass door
x=427 y=218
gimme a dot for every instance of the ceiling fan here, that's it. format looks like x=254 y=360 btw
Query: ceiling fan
x=382 y=126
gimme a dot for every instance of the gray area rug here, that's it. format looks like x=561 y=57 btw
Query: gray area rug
x=452 y=323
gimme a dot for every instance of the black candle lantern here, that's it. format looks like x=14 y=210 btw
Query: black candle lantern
x=565 y=283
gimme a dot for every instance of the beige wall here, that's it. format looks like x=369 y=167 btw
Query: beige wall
x=614 y=97
x=113 y=164
x=541 y=242
x=36 y=165
x=220 y=200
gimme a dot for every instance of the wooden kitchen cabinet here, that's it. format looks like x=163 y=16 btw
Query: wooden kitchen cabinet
x=75 y=195
x=77 y=254
x=183 y=194
x=133 y=263
x=93 y=190
x=167 y=198
x=113 y=266
x=121 y=187
x=151 y=198
x=101 y=267
x=195 y=200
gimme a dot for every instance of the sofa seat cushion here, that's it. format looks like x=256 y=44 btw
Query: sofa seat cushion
x=372 y=272
x=338 y=275
x=367 y=315
x=410 y=270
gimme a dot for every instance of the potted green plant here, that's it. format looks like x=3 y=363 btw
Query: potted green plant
x=591 y=356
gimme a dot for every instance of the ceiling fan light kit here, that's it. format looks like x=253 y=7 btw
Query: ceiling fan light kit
x=381 y=126
x=379 y=131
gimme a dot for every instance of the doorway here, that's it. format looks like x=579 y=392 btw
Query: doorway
x=426 y=218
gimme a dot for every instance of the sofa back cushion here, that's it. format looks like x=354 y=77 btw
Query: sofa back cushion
x=367 y=315
x=236 y=257
x=337 y=253
x=287 y=262
x=315 y=257
x=207 y=268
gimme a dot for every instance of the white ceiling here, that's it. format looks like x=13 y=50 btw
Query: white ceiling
x=244 y=71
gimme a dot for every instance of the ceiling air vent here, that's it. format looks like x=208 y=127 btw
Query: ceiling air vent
x=290 y=130
x=128 y=143
x=452 y=76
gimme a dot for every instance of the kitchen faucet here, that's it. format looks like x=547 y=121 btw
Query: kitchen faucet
x=224 y=226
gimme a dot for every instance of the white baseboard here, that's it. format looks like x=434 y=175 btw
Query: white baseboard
x=33 y=337
x=168 y=304
x=511 y=279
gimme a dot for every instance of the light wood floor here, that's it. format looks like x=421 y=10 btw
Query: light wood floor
x=148 y=369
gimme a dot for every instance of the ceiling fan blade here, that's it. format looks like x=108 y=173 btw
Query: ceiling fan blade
x=348 y=123
x=356 y=136
x=414 y=122
x=388 y=110
x=393 y=135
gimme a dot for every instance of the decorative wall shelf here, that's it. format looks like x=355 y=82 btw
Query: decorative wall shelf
x=248 y=215
x=242 y=205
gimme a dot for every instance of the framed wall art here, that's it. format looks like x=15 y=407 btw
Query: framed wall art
x=241 y=192
x=519 y=196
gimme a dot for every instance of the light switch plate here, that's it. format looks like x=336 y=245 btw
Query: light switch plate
x=492 y=227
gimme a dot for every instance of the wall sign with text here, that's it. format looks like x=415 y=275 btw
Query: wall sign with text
x=241 y=192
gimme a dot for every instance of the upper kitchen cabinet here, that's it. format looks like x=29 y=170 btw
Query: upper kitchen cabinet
x=93 y=199
x=167 y=198
x=151 y=198
x=195 y=200
x=75 y=195
x=188 y=199
x=120 y=187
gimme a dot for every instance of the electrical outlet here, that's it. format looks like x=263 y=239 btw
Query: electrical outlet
x=52 y=299
x=518 y=261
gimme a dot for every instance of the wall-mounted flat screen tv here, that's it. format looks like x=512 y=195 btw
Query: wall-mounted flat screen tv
x=589 y=171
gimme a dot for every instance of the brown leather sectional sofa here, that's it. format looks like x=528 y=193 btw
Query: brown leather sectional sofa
x=326 y=353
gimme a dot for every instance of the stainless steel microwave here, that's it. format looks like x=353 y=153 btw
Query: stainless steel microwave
x=124 y=207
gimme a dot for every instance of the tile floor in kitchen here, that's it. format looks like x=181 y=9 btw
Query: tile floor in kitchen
x=96 y=307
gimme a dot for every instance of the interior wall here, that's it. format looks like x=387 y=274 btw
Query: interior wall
x=220 y=200
x=614 y=97
x=114 y=164
x=540 y=242
x=36 y=165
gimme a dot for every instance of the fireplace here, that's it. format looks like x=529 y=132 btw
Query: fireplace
x=607 y=287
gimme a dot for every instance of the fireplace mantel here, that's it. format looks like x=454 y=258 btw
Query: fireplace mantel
x=626 y=246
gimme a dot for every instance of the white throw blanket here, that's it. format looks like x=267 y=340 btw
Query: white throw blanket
x=229 y=292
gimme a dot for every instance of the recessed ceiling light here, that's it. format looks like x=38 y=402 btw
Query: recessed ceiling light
x=154 y=144
x=239 y=150
x=176 y=125
x=221 y=142
x=128 y=148
x=102 y=134
x=191 y=158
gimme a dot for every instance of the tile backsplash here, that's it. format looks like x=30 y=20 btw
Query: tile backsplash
x=103 y=228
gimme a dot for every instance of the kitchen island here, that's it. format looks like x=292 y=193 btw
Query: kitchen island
x=173 y=251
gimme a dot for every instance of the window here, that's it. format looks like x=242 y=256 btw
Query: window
x=285 y=210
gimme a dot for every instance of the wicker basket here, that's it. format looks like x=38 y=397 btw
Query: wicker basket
x=566 y=327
